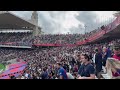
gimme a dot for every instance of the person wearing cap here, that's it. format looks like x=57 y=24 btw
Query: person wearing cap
x=62 y=74
x=116 y=52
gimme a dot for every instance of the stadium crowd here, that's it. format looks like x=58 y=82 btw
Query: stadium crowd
x=78 y=62
x=58 y=38
x=26 y=39
x=64 y=38
x=15 y=39
x=88 y=61
x=45 y=63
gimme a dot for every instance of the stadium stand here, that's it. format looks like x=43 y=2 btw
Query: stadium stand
x=53 y=56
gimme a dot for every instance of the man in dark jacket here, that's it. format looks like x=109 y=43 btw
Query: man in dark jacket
x=44 y=74
x=66 y=66
x=98 y=62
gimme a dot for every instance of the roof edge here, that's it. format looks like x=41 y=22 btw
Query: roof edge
x=22 y=18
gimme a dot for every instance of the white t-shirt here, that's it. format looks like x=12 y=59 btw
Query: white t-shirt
x=26 y=75
x=70 y=76
x=94 y=58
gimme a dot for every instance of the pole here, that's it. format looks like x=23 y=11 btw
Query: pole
x=85 y=29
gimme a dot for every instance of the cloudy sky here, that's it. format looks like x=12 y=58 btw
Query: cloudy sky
x=69 y=21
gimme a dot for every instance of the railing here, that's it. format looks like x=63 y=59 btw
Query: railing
x=100 y=33
x=13 y=46
x=14 y=31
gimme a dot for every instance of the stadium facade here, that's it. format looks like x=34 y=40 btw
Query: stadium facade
x=10 y=22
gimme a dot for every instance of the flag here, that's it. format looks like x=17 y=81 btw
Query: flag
x=2 y=68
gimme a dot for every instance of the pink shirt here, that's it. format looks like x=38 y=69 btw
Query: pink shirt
x=116 y=57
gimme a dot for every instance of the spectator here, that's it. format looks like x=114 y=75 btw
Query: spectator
x=66 y=66
x=13 y=77
x=115 y=71
x=106 y=54
x=117 y=52
x=61 y=72
x=44 y=75
x=86 y=70
x=98 y=62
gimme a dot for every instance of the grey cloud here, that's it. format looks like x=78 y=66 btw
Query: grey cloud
x=88 y=18
x=24 y=14
x=46 y=22
x=51 y=21
x=78 y=29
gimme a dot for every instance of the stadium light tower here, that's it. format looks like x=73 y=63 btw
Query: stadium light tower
x=85 y=28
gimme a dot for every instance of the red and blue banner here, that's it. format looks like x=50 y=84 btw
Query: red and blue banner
x=13 y=69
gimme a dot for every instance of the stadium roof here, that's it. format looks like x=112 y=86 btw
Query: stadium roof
x=10 y=20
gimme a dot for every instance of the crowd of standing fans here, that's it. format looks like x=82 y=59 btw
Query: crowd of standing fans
x=26 y=38
x=16 y=39
x=58 y=38
x=79 y=62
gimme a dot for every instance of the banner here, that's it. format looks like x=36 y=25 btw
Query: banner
x=2 y=68
x=13 y=68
